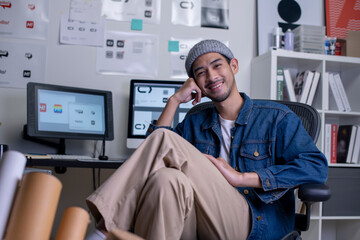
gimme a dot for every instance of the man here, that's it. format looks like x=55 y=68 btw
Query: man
x=230 y=175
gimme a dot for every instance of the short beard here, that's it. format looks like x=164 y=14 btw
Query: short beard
x=223 y=97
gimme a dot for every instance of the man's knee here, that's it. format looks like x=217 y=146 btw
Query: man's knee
x=169 y=178
x=172 y=186
x=162 y=132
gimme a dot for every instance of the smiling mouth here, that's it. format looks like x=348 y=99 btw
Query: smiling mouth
x=215 y=86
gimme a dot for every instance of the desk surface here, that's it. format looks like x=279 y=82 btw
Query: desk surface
x=33 y=162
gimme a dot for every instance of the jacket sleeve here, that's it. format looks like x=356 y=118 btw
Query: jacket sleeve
x=297 y=160
x=152 y=127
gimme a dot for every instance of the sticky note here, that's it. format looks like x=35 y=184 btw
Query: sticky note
x=137 y=24
x=173 y=46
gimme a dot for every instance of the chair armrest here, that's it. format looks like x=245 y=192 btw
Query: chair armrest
x=314 y=192
x=309 y=193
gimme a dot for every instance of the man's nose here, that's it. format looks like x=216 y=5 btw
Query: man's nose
x=212 y=74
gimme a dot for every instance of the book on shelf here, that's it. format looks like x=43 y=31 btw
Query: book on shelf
x=343 y=143
x=327 y=142
x=313 y=87
x=335 y=92
x=279 y=83
x=302 y=85
x=351 y=144
x=356 y=150
x=333 y=147
x=289 y=93
x=342 y=92
x=325 y=85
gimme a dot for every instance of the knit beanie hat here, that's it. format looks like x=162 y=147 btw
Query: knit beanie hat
x=203 y=47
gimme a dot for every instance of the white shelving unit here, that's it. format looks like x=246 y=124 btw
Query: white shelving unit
x=263 y=86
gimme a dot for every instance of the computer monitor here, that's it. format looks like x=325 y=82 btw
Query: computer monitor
x=147 y=100
x=64 y=112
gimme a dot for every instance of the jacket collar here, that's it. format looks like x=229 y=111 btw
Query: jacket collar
x=245 y=110
x=242 y=118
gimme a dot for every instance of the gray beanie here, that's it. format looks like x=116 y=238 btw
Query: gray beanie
x=203 y=47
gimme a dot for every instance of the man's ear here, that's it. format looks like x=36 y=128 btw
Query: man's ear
x=234 y=64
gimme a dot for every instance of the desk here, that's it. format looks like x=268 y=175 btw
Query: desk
x=63 y=163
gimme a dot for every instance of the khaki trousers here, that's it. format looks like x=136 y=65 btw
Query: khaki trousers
x=168 y=190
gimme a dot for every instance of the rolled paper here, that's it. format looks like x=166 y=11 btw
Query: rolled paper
x=73 y=224
x=34 y=208
x=118 y=234
x=12 y=167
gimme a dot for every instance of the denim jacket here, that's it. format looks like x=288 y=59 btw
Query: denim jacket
x=269 y=139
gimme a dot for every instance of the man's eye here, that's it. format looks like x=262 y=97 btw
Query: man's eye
x=200 y=73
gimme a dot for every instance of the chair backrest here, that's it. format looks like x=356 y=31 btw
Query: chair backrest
x=308 y=115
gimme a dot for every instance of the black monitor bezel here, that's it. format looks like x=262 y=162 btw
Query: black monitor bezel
x=32 y=113
x=131 y=101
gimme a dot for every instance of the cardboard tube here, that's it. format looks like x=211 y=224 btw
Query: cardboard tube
x=35 y=206
x=73 y=224
x=11 y=170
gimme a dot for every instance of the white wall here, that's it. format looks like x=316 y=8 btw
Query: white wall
x=75 y=66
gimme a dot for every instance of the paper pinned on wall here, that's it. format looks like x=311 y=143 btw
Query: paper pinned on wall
x=127 y=53
x=137 y=24
x=173 y=46
x=85 y=10
x=80 y=32
x=126 y=10
x=24 y=19
x=178 y=57
x=21 y=63
x=197 y=13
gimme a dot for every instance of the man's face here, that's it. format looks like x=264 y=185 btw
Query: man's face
x=215 y=76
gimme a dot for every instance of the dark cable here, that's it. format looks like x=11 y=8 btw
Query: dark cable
x=99 y=169
x=93 y=177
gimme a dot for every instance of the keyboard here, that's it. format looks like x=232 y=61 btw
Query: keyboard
x=70 y=157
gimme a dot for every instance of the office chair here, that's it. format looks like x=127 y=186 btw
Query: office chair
x=307 y=193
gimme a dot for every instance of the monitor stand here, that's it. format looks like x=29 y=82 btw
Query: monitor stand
x=61 y=146
x=61 y=149
x=102 y=156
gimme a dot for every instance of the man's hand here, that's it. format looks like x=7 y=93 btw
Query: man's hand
x=236 y=179
x=188 y=91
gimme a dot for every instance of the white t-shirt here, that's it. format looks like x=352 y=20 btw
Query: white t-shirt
x=226 y=126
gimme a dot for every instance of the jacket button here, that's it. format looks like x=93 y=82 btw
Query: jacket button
x=237 y=169
x=258 y=218
x=151 y=129
x=268 y=182
x=246 y=191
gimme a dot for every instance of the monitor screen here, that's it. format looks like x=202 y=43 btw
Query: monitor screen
x=64 y=112
x=147 y=100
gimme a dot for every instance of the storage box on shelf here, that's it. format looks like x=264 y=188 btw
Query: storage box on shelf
x=309 y=39
x=329 y=220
